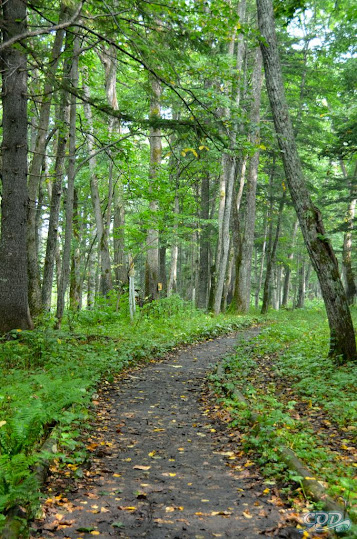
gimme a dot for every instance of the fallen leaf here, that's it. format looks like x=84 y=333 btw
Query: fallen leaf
x=144 y=468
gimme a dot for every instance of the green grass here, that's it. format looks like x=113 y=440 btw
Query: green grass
x=49 y=377
x=297 y=343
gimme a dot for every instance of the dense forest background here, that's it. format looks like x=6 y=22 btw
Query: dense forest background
x=152 y=163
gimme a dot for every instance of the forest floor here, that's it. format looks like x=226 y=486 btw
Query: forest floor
x=163 y=463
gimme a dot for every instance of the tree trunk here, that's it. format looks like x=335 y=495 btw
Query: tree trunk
x=244 y=268
x=14 y=309
x=271 y=257
x=347 y=270
x=106 y=283
x=75 y=278
x=172 y=286
x=300 y=301
x=287 y=276
x=152 y=238
x=66 y=255
x=262 y=260
x=56 y=193
x=162 y=273
x=203 y=280
x=323 y=259
x=35 y=172
x=110 y=62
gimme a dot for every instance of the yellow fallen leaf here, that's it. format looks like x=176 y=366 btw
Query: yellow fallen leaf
x=152 y=453
x=247 y=514
x=169 y=509
x=181 y=449
x=144 y=468
x=95 y=532
x=116 y=475
x=2 y=423
x=310 y=478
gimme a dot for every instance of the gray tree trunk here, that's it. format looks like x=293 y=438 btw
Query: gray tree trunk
x=244 y=267
x=75 y=278
x=323 y=259
x=66 y=255
x=286 y=286
x=271 y=257
x=110 y=62
x=203 y=280
x=14 y=310
x=152 y=238
x=56 y=192
x=35 y=172
x=106 y=283
x=347 y=270
x=172 y=286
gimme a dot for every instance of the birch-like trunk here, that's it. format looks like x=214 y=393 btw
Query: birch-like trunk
x=287 y=276
x=323 y=259
x=152 y=237
x=241 y=299
x=347 y=270
x=56 y=191
x=110 y=62
x=66 y=255
x=106 y=283
x=172 y=286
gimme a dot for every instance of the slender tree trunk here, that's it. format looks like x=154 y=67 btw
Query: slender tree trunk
x=56 y=194
x=110 y=62
x=203 y=280
x=152 y=238
x=323 y=259
x=271 y=257
x=106 y=283
x=66 y=255
x=287 y=276
x=35 y=173
x=14 y=309
x=262 y=261
x=300 y=301
x=172 y=286
x=347 y=270
x=162 y=273
x=75 y=277
x=244 y=268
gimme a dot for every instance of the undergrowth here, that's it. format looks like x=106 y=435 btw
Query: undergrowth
x=295 y=345
x=49 y=377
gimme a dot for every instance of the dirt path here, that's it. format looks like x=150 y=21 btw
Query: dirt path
x=158 y=469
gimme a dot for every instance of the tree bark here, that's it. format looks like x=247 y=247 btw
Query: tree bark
x=35 y=172
x=66 y=255
x=286 y=286
x=244 y=268
x=14 y=309
x=172 y=286
x=347 y=270
x=323 y=259
x=75 y=277
x=110 y=62
x=56 y=192
x=106 y=283
x=152 y=238
x=271 y=257
x=203 y=280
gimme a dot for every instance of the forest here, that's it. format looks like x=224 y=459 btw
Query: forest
x=178 y=185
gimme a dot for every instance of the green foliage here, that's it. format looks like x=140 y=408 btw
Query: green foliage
x=295 y=343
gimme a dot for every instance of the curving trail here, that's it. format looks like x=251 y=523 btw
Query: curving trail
x=158 y=468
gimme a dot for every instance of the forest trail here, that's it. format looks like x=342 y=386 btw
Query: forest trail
x=161 y=467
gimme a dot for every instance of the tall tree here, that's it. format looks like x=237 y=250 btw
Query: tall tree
x=342 y=341
x=152 y=238
x=14 y=310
